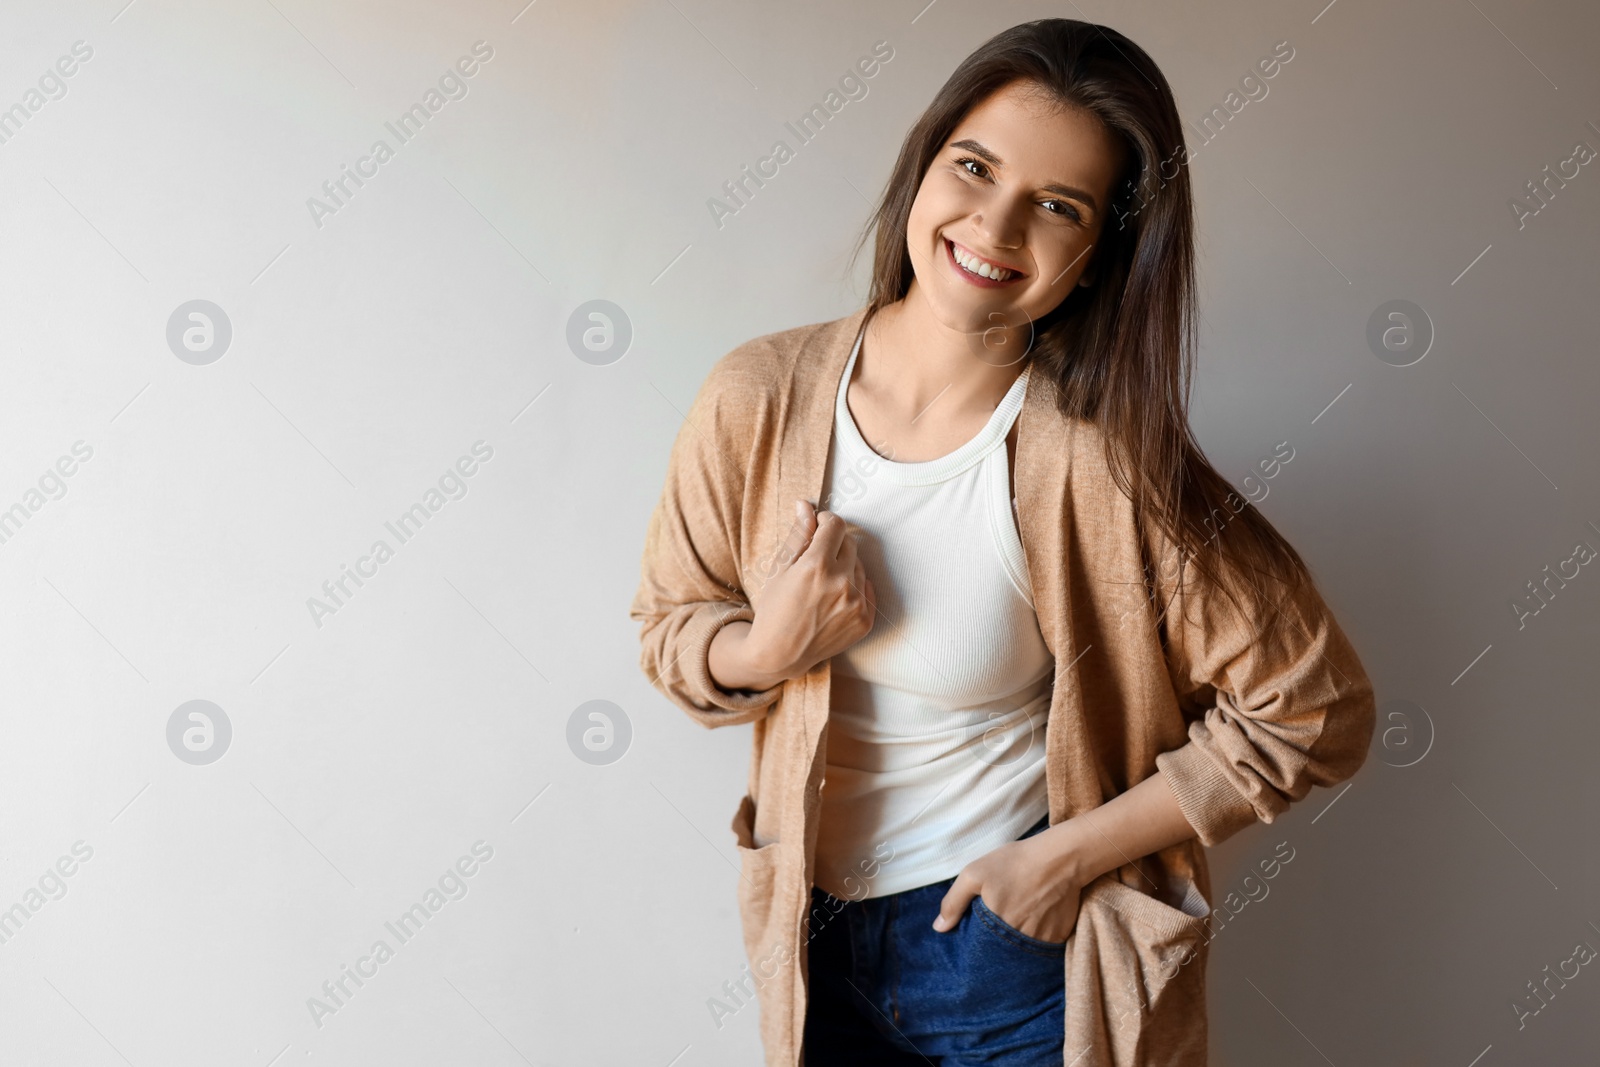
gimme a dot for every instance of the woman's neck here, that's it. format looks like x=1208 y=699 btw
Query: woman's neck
x=909 y=355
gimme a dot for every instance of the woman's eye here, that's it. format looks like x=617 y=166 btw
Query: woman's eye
x=977 y=169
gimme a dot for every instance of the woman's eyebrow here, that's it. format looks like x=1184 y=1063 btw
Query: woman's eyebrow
x=983 y=153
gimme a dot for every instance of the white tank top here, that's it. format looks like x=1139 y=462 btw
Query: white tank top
x=936 y=724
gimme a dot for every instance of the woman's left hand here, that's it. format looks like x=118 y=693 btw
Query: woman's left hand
x=1027 y=883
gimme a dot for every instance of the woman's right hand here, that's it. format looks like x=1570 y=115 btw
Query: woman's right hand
x=818 y=604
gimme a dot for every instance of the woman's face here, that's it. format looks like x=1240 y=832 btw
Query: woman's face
x=1023 y=185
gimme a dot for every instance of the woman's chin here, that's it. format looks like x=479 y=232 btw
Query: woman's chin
x=975 y=312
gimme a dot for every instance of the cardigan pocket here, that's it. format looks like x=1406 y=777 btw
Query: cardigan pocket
x=1163 y=934
x=757 y=874
x=1127 y=949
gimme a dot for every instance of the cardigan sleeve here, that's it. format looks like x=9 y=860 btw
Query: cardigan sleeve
x=1283 y=702
x=689 y=581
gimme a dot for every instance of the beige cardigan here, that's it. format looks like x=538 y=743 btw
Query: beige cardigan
x=1243 y=718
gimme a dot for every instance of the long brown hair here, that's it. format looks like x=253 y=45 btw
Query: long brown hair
x=1120 y=352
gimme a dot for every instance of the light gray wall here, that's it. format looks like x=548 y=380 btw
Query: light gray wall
x=431 y=711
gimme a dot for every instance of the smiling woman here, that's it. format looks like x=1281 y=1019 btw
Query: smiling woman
x=1015 y=655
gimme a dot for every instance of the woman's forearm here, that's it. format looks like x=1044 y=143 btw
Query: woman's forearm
x=731 y=664
x=1136 y=823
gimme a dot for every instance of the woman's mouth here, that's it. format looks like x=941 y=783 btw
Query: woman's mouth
x=979 y=271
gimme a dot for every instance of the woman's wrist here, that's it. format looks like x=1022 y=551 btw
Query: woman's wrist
x=1082 y=854
x=1129 y=826
x=736 y=663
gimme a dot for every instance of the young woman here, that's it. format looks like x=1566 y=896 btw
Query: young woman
x=1033 y=653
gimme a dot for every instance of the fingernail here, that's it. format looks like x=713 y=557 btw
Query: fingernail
x=939 y=924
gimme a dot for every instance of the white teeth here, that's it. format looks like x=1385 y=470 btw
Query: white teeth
x=979 y=267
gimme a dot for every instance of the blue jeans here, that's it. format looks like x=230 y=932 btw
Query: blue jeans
x=886 y=989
